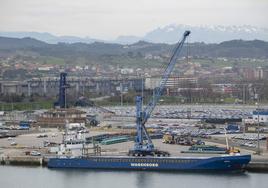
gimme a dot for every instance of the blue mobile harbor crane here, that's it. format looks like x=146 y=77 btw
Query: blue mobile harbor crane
x=142 y=148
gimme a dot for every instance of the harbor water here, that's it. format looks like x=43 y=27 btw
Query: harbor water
x=40 y=177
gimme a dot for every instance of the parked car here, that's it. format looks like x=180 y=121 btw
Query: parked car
x=42 y=136
x=83 y=131
x=250 y=144
x=35 y=153
x=13 y=143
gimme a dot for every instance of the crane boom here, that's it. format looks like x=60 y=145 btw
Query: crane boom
x=158 y=91
x=142 y=117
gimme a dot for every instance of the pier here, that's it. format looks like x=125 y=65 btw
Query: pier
x=23 y=161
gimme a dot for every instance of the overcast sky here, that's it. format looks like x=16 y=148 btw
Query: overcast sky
x=107 y=19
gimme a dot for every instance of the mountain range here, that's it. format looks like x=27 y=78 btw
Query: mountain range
x=167 y=34
x=99 y=50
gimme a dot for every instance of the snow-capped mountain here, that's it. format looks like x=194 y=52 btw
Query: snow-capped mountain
x=207 y=34
x=166 y=34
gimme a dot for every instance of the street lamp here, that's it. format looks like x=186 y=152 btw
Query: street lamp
x=258 y=126
x=142 y=75
x=121 y=92
x=142 y=88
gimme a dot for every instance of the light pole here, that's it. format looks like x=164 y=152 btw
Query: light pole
x=121 y=91
x=258 y=127
x=141 y=75
x=142 y=89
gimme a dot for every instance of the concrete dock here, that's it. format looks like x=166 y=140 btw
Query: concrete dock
x=15 y=155
x=258 y=164
x=23 y=161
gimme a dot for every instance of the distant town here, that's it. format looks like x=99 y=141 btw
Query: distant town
x=194 y=80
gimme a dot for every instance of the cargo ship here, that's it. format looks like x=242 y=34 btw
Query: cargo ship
x=221 y=163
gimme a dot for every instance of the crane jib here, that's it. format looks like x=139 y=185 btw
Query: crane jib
x=159 y=90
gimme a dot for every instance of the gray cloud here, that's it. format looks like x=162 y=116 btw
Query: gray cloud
x=109 y=18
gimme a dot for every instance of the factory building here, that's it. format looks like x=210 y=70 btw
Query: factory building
x=173 y=82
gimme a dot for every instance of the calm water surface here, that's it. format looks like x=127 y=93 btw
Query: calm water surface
x=38 y=177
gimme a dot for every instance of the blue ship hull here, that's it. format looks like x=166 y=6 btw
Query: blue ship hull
x=222 y=163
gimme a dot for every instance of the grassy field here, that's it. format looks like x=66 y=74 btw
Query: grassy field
x=53 y=61
x=26 y=105
x=135 y=62
x=231 y=63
